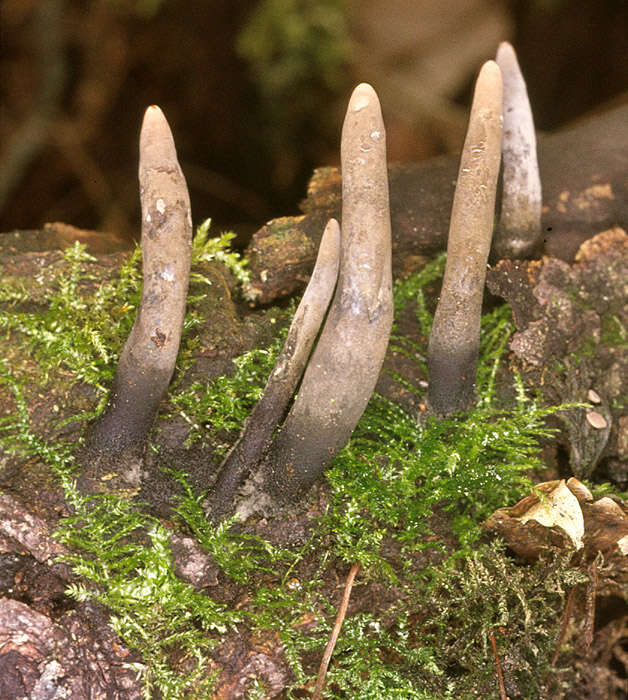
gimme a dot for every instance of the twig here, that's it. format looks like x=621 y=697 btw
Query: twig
x=500 y=677
x=589 y=614
x=329 y=650
x=563 y=628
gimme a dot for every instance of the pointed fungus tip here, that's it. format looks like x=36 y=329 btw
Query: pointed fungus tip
x=506 y=58
x=362 y=96
x=488 y=91
x=156 y=140
x=490 y=71
x=153 y=114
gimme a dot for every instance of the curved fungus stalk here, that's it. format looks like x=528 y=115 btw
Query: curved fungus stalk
x=147 y=361
x=519 y=230
x=344 y=367
x=286 y=374
x=455 y=337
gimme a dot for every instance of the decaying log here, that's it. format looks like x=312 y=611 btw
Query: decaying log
x=585 y=190
x=570 y=344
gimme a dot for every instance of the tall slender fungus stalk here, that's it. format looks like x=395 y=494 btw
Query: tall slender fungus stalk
x=519 y=227
x=344 y=367
x=147 y=362
x=286 y=374
x=455 y=337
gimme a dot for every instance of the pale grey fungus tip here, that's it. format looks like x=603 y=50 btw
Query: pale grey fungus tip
x=519 y=229
x=455 y=337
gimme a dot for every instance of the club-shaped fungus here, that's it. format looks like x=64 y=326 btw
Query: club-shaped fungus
x=280 y=387
x=117 y=440
x=519 y=228
x=344 y=367
x=455 y=337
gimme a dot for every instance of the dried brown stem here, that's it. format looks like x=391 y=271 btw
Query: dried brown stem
x=331 y=644
x=455 y=337
x=498 y=666
x=568 y=612
x=589 y=611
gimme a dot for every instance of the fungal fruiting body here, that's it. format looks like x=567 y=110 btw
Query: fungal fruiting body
x=148 y=359
x=519 y=227
x=344 y=367
x=454 y=340
x=283 y=380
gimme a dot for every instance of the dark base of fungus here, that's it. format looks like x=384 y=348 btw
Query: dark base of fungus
x=117 y=441
x=296 y=464
x=452 y=381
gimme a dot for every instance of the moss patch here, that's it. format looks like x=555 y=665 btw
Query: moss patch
x=405 y=499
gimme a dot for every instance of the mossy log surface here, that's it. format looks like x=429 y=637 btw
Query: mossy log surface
x=571 y=344
x=571 y=338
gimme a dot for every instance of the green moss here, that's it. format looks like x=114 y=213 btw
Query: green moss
x=395 y=471
x=613 y=332
x=481 y=594
x=206 y=249
x=292 y=46
x=83 y=326
x=213 y=408
x=388 y=488
x=126 y=563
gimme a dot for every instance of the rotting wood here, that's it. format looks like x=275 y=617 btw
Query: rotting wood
x=585 y=190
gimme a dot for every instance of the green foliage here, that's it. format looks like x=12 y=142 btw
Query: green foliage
x=205 y=249
x=17 y=437
x=84 y=325
x=484 y=593
x=412 y=291
x=387 y=486
x=125 y=559
x=76 y=332
x=292 y=45
x=239 y=555
x=373 y=662
x=212 y=408
x=395 y=470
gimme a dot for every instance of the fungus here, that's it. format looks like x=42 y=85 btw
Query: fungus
x=520 y=220
x=147 y=362
x=344 y=367
x=454 y=340
x=281 y=384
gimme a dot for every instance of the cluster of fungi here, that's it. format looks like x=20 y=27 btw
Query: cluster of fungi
x=338 y=338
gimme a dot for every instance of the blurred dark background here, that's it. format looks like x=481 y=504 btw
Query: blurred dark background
x=255 y=92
